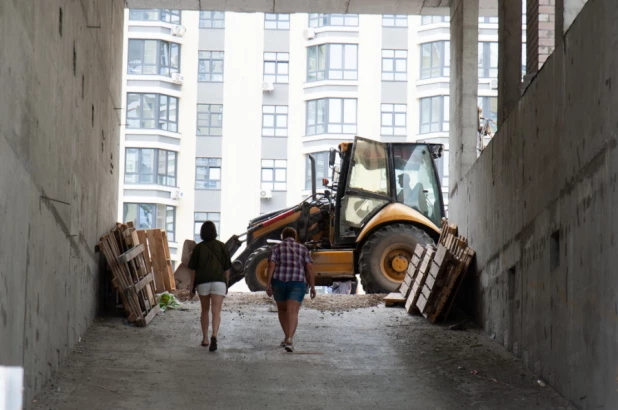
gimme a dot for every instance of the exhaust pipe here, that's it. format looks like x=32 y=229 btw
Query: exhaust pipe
x=312 y=160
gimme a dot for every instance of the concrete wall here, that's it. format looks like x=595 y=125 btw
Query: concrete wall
x=59 y=124
x=539 y=208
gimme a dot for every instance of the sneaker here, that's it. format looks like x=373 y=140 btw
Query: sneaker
x=213 y=344
x=289 y=348
x=283 y=343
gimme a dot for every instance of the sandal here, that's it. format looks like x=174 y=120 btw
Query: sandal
x=204 y=344
x=213 y=344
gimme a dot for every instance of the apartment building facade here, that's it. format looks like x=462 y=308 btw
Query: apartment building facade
x=222 y=109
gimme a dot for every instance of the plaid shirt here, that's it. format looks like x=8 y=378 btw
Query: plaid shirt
x=290 y=258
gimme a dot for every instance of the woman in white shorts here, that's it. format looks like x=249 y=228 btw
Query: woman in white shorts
x=210 y=262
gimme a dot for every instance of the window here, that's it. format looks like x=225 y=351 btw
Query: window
x=435 y=59
x=417 y=184
x=274 y=174
x=321 y=168
x=276 y=67
x=332 y=62
x=275 y=121
x=165 y=15
x=434 y=114
x=210 y=67
x=208 y=173
x=394 y=20
x=489 y=105
x=152 y=216
x=276 y=21
x=488 y=60
x=394 y=65
x=331 y=116
x=210 y=119
x=212 y=19
x=323 y=20
x=394 y=119
x=200 y=218
x=152 y=111
x=150 y=166
x=152 y=57
x=433 y=20
x=488 y=20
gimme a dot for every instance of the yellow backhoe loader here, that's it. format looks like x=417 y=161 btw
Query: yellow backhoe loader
x=384 y=199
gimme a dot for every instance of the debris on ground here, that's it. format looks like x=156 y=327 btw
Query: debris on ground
x=327 y=303
x=435 y=275
x=167 y=301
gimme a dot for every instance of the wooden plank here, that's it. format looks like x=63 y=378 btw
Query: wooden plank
x=131 y=254
x=168 y=257
x=442 y=255
x=159 y=265
x=394 y=298
x=421 y=303
x=170 y=272
x=419 y=250
x=151 y=315
x=166 y=246
x=415 y=260
x=143 y=282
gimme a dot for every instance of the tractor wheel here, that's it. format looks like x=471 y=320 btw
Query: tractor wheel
x=385 y=256
x=256 y=269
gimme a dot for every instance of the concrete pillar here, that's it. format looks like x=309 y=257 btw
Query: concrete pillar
x=509 y=57
x=566 y=11
x=464 y=88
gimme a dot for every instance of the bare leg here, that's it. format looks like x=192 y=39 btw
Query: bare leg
x=293 y=309
x=205 y=301
x=217 y=303
x=282 y=310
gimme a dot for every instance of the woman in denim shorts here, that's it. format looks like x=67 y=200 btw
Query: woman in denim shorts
x=210 y=263
x=289 y=269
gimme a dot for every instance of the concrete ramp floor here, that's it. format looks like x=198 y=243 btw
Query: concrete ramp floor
x=374 y=358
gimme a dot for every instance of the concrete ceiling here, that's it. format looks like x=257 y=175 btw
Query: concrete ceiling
x=411 y=7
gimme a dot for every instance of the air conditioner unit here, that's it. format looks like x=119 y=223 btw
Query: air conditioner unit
x=266 y=194
x=268 y=86
x=309 y=33
x=493 y=84
x=178 y=78
x=176 y=194
x=179 y=31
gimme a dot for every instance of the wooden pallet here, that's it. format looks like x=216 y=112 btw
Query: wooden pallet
x=436 y=273
x=131 y=276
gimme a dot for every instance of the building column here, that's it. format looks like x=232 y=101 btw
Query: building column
x=566 y=11
x=509 y=57
x=464 y=89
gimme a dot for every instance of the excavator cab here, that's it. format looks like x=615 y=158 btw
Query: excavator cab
x=375 y=175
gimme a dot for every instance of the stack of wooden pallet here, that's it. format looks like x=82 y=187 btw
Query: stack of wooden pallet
x=132 y=276
x=435 y=274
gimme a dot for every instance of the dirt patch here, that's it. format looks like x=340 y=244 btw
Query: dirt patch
x=325 y=303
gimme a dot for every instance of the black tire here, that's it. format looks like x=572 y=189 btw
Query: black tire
x=403 y=237
x=253 y=262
